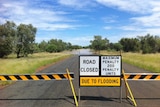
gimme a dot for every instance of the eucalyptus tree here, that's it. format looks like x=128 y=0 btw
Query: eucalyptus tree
x=25 y=39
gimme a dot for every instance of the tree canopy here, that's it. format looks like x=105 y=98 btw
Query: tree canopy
x=145 y=44
x=18 y=39
x=98 y=43
x=7 y=35
x=25 y=39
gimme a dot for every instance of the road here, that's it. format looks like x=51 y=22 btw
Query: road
x=59 y=94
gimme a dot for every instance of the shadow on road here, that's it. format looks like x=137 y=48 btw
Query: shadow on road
x=97 y=98
x=116 y=100
x=37 y=99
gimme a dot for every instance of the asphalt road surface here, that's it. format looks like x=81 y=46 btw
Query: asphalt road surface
x=59 y=94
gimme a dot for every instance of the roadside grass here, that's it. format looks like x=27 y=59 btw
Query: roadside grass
x=149 y=62
x=28 y=65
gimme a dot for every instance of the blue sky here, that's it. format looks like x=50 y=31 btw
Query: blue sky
x=77 y=21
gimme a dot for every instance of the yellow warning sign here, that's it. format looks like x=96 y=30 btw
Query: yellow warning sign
x=100 y=81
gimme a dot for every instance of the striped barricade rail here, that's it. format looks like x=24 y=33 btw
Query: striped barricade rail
x=142 y=76
x=43 y=76
x=36 y=77
x=137 y=77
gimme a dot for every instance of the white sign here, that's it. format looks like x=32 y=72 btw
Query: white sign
x=110 y=65
x=89 y=65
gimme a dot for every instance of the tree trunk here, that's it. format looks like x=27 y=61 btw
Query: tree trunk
x=18 y=52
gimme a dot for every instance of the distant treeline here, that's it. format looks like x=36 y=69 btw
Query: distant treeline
x=54 y=45
x=21 y=41
x=145 y=44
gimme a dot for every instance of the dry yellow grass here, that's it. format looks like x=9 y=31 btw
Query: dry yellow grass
x=150 y=62
x=28 y=65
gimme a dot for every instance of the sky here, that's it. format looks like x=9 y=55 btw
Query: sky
x=78 y=21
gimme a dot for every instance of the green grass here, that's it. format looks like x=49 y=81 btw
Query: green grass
x=28 y=65
x=150 y=62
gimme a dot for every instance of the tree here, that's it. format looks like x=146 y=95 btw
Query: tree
x=158 y=43
x=76 y=47
x=99 y=44
x=69 y=46
x=43 y=46
x=51 y=48
x=55 y=45
x=19 y=39
x=25 y=39
x=149 y=43
x=115 y=46
x=146 y=44
x=7 y=35
x=130 y=44
x=36 y=48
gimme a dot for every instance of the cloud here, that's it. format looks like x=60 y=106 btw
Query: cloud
x=83 y=40
x=146 y=15
x=107 y=27
x=146 y=23
x=137 y=6
x=155 y=31
x=78 y=4
x=152 y=20
x=12 y=8
x=149 y=10
x=43 y=18
x=53 y=27
x=72 y=3
x=110 y=19
x=141 y=17
x=128 y=28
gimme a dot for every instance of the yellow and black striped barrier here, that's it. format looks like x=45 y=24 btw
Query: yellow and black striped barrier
x=142 y=76
x=36 y=77
x=137 y=77
x=47 y=76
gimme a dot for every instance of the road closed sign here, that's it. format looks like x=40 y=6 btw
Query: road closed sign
x=89 y=65
x=100 y=70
